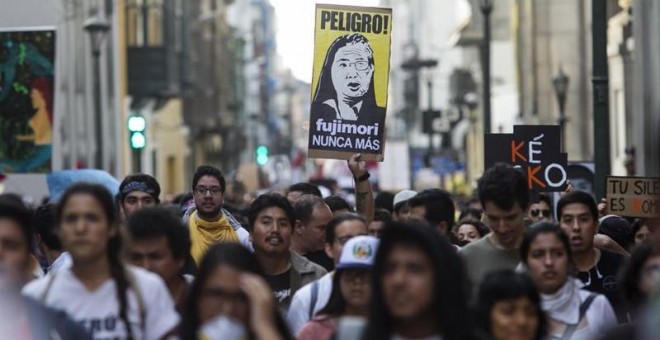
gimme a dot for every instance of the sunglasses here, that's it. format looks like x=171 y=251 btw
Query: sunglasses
x=544 y=212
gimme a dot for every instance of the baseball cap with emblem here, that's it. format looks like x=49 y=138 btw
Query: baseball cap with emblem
x=358 y=252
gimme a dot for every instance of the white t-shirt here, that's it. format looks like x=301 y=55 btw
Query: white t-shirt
x=98 y=311
x=599 y=318
x=298 y=314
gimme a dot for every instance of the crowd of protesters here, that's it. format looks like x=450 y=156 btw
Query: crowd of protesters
x=506 y=264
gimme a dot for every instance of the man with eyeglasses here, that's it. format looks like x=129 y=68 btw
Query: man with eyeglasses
x=136 y=192
x=313 y=297
x=541 y=211
x=208 y=222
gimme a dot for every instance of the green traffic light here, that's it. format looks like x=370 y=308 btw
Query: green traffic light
x=262 y=159
x=262 y=150
x=136 y=124
x=138 y=140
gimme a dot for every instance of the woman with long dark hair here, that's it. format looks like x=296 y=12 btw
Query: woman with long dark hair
x=509 y=307
x=230 y=299
x=419 y=287
x=110 y=299
x=572 y=312
x=351 y=289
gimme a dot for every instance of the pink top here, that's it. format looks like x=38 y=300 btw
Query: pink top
x=320 y=328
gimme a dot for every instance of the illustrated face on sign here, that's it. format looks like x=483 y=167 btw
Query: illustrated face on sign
x=352 y=70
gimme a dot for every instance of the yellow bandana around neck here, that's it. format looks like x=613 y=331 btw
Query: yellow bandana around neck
x=204 y=233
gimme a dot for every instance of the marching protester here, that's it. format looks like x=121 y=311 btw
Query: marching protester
x=509 y=307
x=271 y=218
x=312 y=215
x=640 y=277
x=110 y=299
x=401 y=209
x=160 y=243
x=418 y=287
x=351 y=289
x=23 y=317
x=136 y=192
x=596 y=268
x=573 y=312
x=308 y=300
x=504 y=196
x=47 y=240
x=381 y=218
x=541 y=209
x=295 y=191
x=434 y=206
x=231 y=300
x=208 y=222
x=468 y=231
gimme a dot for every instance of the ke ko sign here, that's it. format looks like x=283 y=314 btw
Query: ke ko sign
x=633 y=196
x=536 y=150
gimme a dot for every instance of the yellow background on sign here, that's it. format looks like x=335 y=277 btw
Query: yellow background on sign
x=380 y=43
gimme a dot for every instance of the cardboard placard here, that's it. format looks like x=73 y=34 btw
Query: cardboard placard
x=633 y=196
x=536 y=149
x=349 y=84
x=27 y=73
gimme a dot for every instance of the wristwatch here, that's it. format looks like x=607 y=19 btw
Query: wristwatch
x=363 y=177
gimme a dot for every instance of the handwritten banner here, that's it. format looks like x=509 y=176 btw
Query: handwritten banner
x=634 y=196
x=349 y=84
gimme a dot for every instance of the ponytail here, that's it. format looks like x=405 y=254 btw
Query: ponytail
x=118 y=274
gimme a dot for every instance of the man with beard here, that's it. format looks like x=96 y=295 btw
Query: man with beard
x=597 y=268
x=208 y=222
x=271 y=218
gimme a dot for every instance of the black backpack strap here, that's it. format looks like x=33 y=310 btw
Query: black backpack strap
x=584 y=306
x=315 y=296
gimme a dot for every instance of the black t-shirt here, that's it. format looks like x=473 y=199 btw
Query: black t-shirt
x=281 y=285
x=322 y=259
x=602 y=279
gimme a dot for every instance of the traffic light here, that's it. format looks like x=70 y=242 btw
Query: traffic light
x=136 y=126
x=262 y=155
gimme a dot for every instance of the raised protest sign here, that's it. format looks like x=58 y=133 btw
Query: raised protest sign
x=536 y=149
x=349 y=84
x=633 y=196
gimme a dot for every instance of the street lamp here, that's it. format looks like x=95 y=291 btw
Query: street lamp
x=97 y=27
x=486 y=10
x=560 y=82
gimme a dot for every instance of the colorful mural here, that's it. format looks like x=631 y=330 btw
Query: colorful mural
x=27 y=61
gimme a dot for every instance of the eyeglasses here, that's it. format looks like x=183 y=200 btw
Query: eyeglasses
x=359 y=65
x=201 y=191
x=536 y=212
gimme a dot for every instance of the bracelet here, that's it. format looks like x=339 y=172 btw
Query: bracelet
x=363 y=177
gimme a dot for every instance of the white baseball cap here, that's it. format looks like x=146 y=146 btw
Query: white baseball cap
x=358 y=252
x=403 y=196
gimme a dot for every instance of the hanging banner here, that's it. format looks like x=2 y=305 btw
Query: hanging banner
x=633 y=196
x=536 y=150
x=349 y=84
x=27 y=59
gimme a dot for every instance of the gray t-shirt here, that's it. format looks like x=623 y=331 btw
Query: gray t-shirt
x=482 y=257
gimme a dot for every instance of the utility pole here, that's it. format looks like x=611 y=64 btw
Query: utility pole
x=600 y=83
x=486 y=10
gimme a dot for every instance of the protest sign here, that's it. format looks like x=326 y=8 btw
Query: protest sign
x=349 y=84
x=633 y=196
x=27 y=59
x=536 y=149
